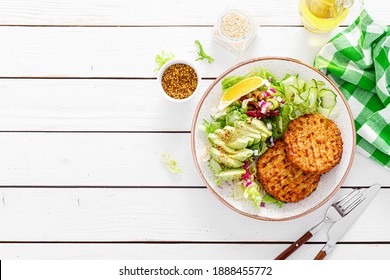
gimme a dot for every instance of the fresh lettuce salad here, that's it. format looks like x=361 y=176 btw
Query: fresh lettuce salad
x=244 y=130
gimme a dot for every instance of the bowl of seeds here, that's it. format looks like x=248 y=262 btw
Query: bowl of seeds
x=234 y=29
x=178 y=80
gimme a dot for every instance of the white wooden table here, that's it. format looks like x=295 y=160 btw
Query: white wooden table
x=82 y=126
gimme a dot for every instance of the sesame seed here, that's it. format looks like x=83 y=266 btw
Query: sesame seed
x=234 y=25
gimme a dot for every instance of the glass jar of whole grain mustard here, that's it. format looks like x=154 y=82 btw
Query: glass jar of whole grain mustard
x=234 y=30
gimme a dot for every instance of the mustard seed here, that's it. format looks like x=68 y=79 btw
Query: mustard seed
x=179 y=81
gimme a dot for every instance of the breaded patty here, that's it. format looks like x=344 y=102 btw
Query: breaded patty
x=314 y=143
x=282 y=179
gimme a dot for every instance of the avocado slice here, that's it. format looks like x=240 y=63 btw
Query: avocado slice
x=230 y=129
x=246 y=126
x=256 y=136
x=250 y=140
x=261 y=126
x=219 y=132
x=224 y=159
x=242 y=155
x=231 y=174
x=222 y=145
x=214 y=139
x=227 y=133
x=239 y=143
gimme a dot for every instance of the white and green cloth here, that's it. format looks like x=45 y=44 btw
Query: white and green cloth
x=357 y=59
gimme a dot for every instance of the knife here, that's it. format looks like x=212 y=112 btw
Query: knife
x=341 y=226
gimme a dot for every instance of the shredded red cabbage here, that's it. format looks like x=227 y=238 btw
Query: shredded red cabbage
x=247 y=174
x=261 y=113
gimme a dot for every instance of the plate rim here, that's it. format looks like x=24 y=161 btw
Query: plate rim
x=196 y=114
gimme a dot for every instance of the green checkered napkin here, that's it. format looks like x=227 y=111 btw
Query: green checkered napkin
x=357 y=59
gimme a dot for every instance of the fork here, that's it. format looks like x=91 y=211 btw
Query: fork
x=335 y=212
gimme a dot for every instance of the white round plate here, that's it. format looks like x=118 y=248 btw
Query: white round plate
x=329 y=183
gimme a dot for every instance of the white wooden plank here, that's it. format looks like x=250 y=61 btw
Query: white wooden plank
x=97 y=105
x=94 y=159
x=149 y=12
x=366 y=171
x=118 y=159
x=185 y=251
x=130 y=52
x=160 y=215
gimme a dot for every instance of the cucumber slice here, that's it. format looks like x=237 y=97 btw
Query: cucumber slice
x=291 y=92
x=298 y=99
x=324 y=111
x=312 y=100
x=327 y=98
x=312 y=83
x=290 y=81
x=301 y=85
x=320 y=85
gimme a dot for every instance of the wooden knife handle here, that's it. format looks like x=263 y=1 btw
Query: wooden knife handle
x=297 y=244
x=320 y=256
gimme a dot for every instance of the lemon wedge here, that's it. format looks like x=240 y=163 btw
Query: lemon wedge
x=239 y=90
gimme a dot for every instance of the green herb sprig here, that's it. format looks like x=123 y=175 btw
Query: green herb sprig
x=202 y=54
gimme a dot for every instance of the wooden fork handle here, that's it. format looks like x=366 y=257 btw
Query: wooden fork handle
x=297 y=244
x=321 y=255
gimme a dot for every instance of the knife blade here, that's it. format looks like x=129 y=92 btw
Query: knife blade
x=336 y=232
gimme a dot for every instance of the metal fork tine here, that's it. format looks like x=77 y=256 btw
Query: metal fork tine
x=353 y=205
x=347 y=205
x=345 y=197
x=350 y=199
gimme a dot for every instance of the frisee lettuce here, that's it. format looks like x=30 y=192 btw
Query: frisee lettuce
x=252 y=193
x=171 y=163
x=163 y=58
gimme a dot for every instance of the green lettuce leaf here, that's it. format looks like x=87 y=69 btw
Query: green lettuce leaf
x=270 y=199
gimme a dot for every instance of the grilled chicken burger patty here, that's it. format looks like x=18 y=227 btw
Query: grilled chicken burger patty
x=282 y=179
x=313 y=143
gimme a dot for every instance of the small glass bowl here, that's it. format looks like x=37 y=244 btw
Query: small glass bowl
x=236 y=45
x=172 y=62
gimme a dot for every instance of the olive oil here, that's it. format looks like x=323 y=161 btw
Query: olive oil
x=323 y=15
